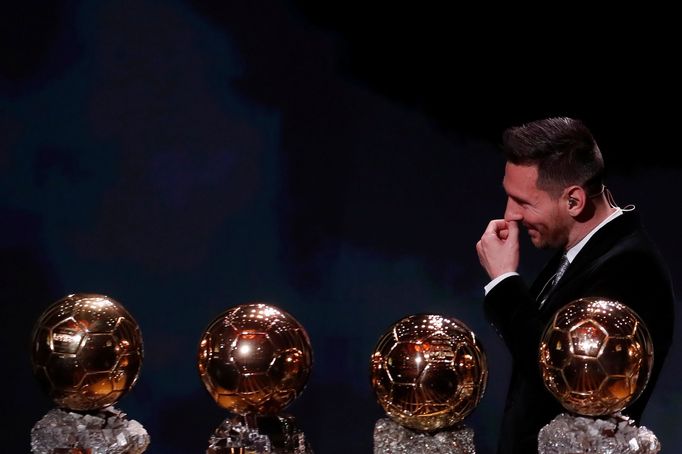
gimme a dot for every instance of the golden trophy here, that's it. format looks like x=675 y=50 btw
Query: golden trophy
x=86 y=353
x=254 y=359
x=428 y=372
x=596 y=357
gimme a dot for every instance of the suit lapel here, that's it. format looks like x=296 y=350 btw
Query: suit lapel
x=597 y=249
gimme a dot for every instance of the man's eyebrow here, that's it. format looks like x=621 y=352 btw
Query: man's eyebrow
x=514 y=197
x=517 y=198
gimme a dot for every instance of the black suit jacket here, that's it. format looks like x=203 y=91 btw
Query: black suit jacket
x=619 y=262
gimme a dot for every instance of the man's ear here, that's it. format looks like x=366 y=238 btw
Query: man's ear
x=575 y=200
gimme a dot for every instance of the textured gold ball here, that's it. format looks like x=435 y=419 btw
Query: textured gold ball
x=86 y=351
x=254 y=358
x=428 y=372
x=596 y=356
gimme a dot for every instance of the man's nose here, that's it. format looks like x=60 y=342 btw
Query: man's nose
x=512 y=212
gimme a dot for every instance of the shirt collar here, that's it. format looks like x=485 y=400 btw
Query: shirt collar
x=571 y=253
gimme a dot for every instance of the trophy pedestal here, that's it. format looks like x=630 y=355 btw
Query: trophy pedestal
x=392 y=438
x=106 y=431
x=616 y=434
x=258 y=434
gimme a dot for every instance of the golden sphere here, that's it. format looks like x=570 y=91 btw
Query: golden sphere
x=596 y=356
x=86 y=351
x=254 y=358
x=428 y=372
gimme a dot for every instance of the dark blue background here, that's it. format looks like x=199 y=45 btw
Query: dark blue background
x=338 y=161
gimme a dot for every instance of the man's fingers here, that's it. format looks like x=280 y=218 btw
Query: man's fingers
x=495 y=227
x=502 y=230
x=512 y=229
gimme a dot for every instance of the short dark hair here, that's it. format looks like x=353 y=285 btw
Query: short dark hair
x=563 y=150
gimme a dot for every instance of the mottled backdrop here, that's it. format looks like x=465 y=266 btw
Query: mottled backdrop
x=339 y=161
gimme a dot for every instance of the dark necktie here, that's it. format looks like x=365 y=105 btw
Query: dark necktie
x=561 y=269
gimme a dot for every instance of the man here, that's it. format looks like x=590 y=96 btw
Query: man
x=553 y=181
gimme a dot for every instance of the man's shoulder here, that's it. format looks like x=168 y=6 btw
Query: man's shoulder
x=622 y=233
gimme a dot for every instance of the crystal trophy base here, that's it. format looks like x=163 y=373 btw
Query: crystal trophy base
x=251 y=434
x=392 y=438
x=106 y=431
x=616 y=434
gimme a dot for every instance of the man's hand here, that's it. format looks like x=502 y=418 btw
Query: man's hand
x=498 y=248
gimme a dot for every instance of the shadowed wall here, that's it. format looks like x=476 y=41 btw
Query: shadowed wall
x=184 y=157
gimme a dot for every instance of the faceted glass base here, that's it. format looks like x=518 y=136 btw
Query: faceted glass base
x=616 y=434
x=106 y=431
x=255 y=434
x=392 y=438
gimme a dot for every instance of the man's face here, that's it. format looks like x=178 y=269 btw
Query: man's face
x=534 y=208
